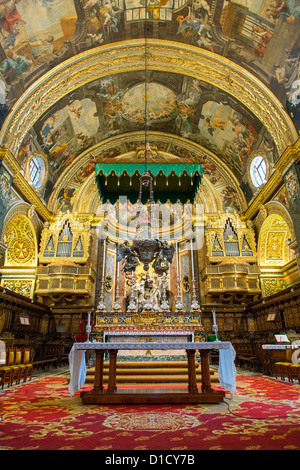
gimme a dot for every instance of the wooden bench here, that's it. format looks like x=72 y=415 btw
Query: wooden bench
x=45 y=363
x=63 y=360
x=248 y=359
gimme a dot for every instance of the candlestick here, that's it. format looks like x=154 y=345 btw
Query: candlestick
x=192 y=259
x=117 y=305
x=179 y=304
x=104 y=256
x=88 y=327
x=101 y=305
x=215 y=326
x=195 y=304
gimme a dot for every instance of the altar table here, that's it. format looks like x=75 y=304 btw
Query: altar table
x=111 y=395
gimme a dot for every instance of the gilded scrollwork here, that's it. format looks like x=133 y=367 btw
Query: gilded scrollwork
x=20 y=286
x=271 y=286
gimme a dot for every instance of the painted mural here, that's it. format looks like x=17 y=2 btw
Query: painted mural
x=282 y=197
x=227 y=193
x=69 y=131
x=28 y=40
x=159 y=100
x=227 y=130
x=263 y=36
x=247 y=32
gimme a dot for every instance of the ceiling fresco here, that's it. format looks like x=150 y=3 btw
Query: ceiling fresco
x=260 y=36
x=115 y=105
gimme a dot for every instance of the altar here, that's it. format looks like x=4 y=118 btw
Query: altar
x=148 y=296
x=148 y=336
x=191 y=394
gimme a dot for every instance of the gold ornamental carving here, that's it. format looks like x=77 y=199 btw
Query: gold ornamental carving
x=273 y=241
x=274 y=182
x=21 y=243
x=148 y=318
x=275 y=245
x=272 y=286
x=20 y=286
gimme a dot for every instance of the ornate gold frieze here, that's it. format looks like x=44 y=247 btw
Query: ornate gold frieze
x=148 y=319
x=290 y=154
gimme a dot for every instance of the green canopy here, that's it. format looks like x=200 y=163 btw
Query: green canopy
x=170 y=181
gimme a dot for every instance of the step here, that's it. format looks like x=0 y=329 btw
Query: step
x=146 y=379
x=153 y=364
x=150 y=372
x=145 y=371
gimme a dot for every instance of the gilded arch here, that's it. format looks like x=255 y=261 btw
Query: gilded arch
x=161 y=55
x=275 y=207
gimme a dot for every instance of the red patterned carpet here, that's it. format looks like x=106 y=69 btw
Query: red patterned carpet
x=40 y=415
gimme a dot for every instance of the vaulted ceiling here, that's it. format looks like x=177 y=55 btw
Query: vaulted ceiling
x=222 y=87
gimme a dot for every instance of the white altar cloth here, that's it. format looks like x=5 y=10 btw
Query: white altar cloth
x=226 y=372
x=280 y=346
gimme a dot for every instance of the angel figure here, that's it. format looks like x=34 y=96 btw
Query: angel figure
x=163 y=258
x=125 y=253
